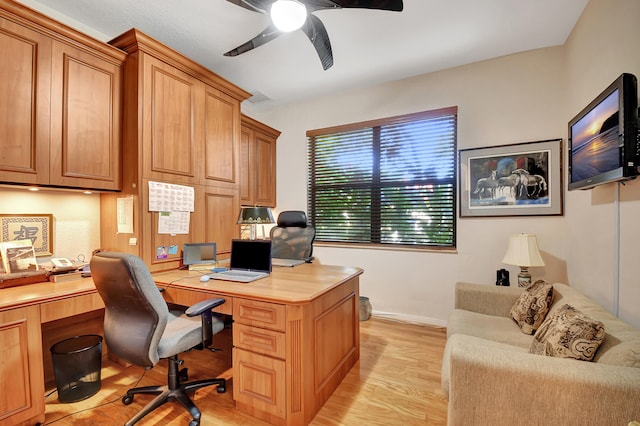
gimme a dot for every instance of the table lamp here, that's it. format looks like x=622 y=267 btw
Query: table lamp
x=254 y=216
x=523 y=251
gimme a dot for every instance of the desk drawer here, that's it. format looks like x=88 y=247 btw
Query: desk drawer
x=267 y=342
x=259 y=384
x=190 y=297
x=259 y=314
x=72 y=306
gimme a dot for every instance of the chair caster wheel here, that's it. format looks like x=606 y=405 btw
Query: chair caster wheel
x=194 y=423
x=126 y=400
x=222 y=389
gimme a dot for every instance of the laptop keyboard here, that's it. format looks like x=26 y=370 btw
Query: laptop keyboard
x=247 y=274
x=240 y=276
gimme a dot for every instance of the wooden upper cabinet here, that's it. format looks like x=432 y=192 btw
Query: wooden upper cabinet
x=61 y=100
x=181 y=126
x=257 y=163
x=190 y=120
x=24 y=104
x=170 y=147
x=221 y=138
x=86 y=120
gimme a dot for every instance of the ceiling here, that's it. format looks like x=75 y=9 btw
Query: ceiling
x=369 y=46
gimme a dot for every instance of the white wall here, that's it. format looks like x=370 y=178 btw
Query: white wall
x=519 y=98
x=76 y=218
x=604 y=44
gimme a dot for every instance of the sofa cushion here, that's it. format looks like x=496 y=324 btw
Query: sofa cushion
x=532 y=306
x=489 y=327
x=568 y=334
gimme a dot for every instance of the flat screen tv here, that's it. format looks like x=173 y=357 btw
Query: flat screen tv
x=194 y=254
x=603 y=137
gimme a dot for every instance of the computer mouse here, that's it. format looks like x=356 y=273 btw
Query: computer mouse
x=204 y=278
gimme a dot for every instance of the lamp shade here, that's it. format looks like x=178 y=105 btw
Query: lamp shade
x=255 y=215
x=523 y=251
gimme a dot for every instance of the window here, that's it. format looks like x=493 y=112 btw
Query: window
x=387 y=182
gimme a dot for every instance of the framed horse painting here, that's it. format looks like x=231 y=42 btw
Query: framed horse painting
x=523 y=179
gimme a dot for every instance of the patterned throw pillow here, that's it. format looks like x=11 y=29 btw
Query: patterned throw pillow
x=568 y=334
x=532 y=306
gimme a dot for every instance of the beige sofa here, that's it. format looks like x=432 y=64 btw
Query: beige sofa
x=490 y=378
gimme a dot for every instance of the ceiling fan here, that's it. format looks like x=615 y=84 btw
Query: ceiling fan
x=309 y=23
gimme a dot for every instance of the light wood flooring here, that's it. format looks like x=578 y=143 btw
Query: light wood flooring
x=396 y=382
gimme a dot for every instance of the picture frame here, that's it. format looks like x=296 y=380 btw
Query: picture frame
x=18 y=256
x=35 y=227
x=522 y=179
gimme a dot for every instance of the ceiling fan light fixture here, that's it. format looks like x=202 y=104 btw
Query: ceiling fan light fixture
x=288 y=15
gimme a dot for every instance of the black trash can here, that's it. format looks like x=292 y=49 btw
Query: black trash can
x=76 y=366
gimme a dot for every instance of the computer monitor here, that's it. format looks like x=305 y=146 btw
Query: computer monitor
x=199 y=255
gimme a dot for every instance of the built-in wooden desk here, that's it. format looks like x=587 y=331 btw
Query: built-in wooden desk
x=295 y=337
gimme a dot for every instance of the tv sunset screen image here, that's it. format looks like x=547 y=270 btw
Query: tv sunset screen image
x=594 y=140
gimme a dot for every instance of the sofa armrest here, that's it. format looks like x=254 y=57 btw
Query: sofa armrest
x=493 y=383
x=486 y=299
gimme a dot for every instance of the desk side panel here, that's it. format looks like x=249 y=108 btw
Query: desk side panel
x=330 y=348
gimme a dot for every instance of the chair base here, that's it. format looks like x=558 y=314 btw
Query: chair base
x=173 y=391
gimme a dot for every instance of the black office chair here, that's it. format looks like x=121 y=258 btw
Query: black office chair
x=140 y=329
x=292 y=237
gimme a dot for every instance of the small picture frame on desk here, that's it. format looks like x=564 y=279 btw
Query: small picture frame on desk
x=18 y=256
x=34 y=227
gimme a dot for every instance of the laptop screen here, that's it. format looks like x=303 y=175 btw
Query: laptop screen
x=254 y=255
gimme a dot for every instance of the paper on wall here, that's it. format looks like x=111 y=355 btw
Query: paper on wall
x=168 y=197
x=173 y=222
x=124 y=207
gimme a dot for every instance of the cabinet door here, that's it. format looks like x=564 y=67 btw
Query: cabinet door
x=221 y=208
x=221 y=123
x=21 y=367
x=157 y=247
x=86 y=119
x=24 y=104
x=247 y=172
x=259 y=382
x=257 y=163
x=170 y=131
x=264 y=148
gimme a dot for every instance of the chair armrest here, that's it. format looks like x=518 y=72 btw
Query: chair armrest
x=204 y=306
x=208 y=321
x=486 y=299
x=493 y=383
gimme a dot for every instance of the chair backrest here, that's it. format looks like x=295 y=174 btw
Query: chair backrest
x=292 y=237
x=135 y=313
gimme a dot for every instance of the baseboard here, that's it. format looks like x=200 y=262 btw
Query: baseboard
x=410 y=318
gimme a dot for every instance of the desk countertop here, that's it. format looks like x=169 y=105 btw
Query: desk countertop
x=33 y=294
x=299 y=284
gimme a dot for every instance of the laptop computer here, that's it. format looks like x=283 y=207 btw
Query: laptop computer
x=250 y=261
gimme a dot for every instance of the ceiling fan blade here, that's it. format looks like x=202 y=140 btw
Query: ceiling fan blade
x=313 y=5
x=391 y=5
x=262 y=6
x=317 y=33
x=268 y=34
